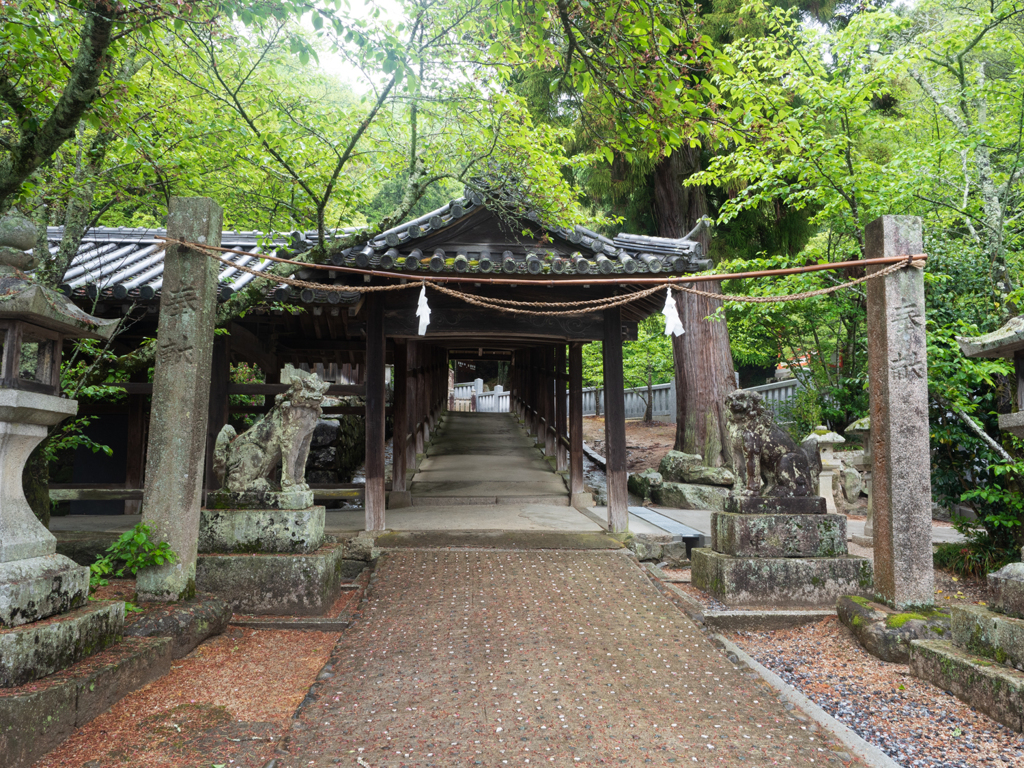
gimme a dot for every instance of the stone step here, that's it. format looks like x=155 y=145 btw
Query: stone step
x=989 y=634
x=33 y=651
x=35 y=721
x=553 y=500
x=992 y=688
x=498 y=540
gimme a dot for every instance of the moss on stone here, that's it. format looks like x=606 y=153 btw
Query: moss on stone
x=863 y=602
x=897 y=620
x=189 y=591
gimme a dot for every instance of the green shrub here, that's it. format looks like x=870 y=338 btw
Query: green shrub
x=134 y=551
x=974 y=558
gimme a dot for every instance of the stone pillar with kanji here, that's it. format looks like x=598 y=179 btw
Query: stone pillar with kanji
x=181 y=395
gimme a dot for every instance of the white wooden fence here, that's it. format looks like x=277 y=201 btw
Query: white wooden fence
x=471 y=397
x=636 y=402
x=777 y=392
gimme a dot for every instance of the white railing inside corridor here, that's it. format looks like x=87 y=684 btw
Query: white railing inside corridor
x=471 y=397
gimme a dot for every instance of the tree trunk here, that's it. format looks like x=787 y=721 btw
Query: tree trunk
x=703 y=361
x=35 y=479
x=704 y=376
x=649 y=409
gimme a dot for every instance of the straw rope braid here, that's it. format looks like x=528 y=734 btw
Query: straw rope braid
x=807 y=294
x=512 y=307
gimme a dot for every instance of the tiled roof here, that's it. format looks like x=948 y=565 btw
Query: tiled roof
x=125 y=262
x=407 y=248
x=122 y=262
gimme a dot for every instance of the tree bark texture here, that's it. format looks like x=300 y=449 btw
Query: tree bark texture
x=37 y=144
x=703 y=361
x=704 y=376
x=677 y=208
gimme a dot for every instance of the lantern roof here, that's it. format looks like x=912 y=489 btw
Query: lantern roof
x=21 y=298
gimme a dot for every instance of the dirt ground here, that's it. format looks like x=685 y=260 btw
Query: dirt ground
x=646 y=444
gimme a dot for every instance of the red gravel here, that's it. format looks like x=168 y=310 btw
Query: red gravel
x=465 y=658
x=914 y=722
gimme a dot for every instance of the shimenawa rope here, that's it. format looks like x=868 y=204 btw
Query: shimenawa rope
x=514 y=307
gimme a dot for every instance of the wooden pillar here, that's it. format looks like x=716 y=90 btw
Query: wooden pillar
x=135 y=461
x=615 y=423
x=535 y=390
x=421 y=397
x=220 y=377
x=399 y=493
x=412 y=406
x=576 y=488
x=374 y=378
x=561 y=458
x=548 y=383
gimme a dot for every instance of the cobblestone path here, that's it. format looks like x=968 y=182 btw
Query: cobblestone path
x=564 y=658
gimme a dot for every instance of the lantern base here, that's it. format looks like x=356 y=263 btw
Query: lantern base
x=39 y=587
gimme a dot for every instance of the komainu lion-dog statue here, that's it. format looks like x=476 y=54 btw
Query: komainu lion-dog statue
x=281 y=438
x=768 y=461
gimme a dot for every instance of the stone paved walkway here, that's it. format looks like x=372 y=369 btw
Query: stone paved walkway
x=565 y=658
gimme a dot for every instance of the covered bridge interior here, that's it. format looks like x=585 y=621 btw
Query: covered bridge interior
x=512 y=289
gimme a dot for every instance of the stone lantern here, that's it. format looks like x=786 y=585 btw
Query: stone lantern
x=35 y=582
x=830 y=464
x=862 y=430
x=1006 y=342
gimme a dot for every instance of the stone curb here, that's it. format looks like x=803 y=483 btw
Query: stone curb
x=869 y=753
x=739 y=621
x=762 y=621
x=312 y=623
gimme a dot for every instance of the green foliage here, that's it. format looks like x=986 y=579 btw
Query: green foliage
x=132 y=552
x=975 y=558
x=800 y=414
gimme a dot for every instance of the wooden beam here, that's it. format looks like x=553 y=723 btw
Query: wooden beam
x=483 y=323
x=375 y=439
x=93 y=492
x=335 y=390
x=615 y=423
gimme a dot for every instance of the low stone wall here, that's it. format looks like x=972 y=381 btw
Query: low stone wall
x=339 y=446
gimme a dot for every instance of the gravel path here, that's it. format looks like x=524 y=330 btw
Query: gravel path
x=914 y=722
x=495 y=658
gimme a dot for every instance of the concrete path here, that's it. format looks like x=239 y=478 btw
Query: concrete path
x=485 y=458
x=565 y=658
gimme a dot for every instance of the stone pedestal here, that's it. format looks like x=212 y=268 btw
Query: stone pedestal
x=783 y=582
x=780 y=553
x=277 y=584
x=295 y=531
x=261 y=499
x=778 y=535
x=35 y=582
x=1007 y=587
x=862 y=429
